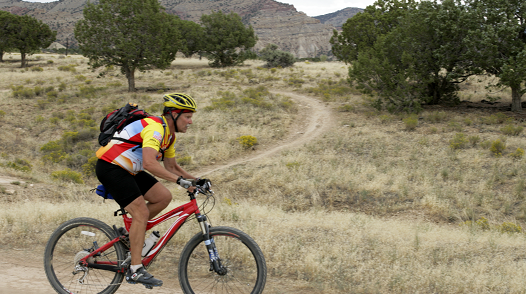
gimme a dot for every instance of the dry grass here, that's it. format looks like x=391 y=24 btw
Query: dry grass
x=369 y=207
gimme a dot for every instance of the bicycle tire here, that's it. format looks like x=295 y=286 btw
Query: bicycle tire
x=70 y=242
x=240 y=254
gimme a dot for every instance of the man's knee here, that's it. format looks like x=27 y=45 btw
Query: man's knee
x=138 y=210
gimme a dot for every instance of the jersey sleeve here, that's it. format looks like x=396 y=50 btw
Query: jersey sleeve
x=152 y=136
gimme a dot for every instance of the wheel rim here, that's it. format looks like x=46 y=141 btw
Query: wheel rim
x=241 y=268
x=75 y=244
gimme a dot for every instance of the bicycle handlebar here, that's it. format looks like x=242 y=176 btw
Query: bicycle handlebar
x=204 y=189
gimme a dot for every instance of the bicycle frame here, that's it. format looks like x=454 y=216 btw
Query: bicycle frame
x=182 y=213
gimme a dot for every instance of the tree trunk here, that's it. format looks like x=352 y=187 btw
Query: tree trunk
x=23 y=56
x=2 y=56
x=516 y=99
x=130 y=75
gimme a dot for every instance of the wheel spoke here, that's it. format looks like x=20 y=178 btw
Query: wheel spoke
x=73 y=241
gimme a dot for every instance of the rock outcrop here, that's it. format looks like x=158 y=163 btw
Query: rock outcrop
x=273 y=22
x=338 y=18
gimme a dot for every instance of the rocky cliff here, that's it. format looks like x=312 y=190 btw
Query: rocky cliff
x=273 y=22
x=338 y=18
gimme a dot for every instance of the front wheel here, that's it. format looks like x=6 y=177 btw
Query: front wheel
x=74 y=240
x=245 y=270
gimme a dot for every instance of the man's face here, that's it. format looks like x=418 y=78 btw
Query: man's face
x=183 y=121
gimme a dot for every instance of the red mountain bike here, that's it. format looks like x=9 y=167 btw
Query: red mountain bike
x=85 y=255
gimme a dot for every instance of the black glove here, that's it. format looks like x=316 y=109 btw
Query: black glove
x=202 y=182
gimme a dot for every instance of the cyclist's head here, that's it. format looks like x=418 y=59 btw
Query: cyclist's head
x=178 y=102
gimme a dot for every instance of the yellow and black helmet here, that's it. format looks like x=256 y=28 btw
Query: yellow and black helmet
x=180 y=101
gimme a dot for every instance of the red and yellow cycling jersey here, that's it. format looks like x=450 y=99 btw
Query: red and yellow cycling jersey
x=150 y=132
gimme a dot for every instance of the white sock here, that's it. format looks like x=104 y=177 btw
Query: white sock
x=134 y=268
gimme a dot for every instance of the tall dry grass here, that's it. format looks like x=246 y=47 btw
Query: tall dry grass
x=371 y=206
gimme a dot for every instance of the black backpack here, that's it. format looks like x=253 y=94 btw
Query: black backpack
x=116 y=120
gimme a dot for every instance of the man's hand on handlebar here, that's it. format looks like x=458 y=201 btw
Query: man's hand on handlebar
x=187 y=184
x=206 y=184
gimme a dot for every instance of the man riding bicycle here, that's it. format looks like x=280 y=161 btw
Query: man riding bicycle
x=122 y=167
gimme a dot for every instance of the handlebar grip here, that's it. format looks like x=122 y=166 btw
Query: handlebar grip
x=184 y=183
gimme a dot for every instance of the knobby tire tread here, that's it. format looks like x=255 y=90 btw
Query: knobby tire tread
x=222 y=231
x=60 y=232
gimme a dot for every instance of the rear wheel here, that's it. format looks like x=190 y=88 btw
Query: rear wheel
x=245 y=268
x=74 y=240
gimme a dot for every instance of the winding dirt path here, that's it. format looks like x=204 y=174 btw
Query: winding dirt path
x=314 y=119
x=21 y=271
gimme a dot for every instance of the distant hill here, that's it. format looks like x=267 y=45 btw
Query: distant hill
x=338 y=18
x=273 y=22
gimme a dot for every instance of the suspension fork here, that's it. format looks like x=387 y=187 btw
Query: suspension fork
x=215 y=261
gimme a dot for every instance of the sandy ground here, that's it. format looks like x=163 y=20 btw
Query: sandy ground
x=22 y=271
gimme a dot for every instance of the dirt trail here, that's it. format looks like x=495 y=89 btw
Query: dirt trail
x=22 y=271
x=313 y=120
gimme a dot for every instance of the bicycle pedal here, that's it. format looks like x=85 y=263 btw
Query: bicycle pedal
x=148 y=287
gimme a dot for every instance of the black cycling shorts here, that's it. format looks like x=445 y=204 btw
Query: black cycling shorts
x=123 y=186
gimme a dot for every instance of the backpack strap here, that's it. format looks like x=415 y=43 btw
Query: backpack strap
x=169 y=144
x=126 y=141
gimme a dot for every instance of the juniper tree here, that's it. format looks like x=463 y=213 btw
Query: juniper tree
x=227 y=40
x=130 y=34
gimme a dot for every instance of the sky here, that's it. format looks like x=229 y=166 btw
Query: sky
x=321 y=7
x=310 y=7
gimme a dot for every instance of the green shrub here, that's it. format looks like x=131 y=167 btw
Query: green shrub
x=51 y=146
x=52 y=95
x=294 y=165
x=328 y=88
x=459 y=141
x=2 y=113
x=497 y=147
x=247 y=141
x=54 y=120
x=485 y=144
x=474 y=140
x=296 y=82
x=38 y=90
x=275 y=57
x=88 y=169
x=76 y=160
x=495 y=119
x=385 y=118
x=517 y=154
x=22 y=92
x=70 y=67
x=54 y=156
x=508 y=227
x=436 y=116
x=62 y=87
x=511 y=130
x=19 y=164
x=455 y=126
x=226 y=102
x=411 y=122
x=346 y=108
x=482 y=223
x=39 y=119
x=87 y=91
x=256 y=97
x=114 y=84
x=36 y=68
x=67 y=175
